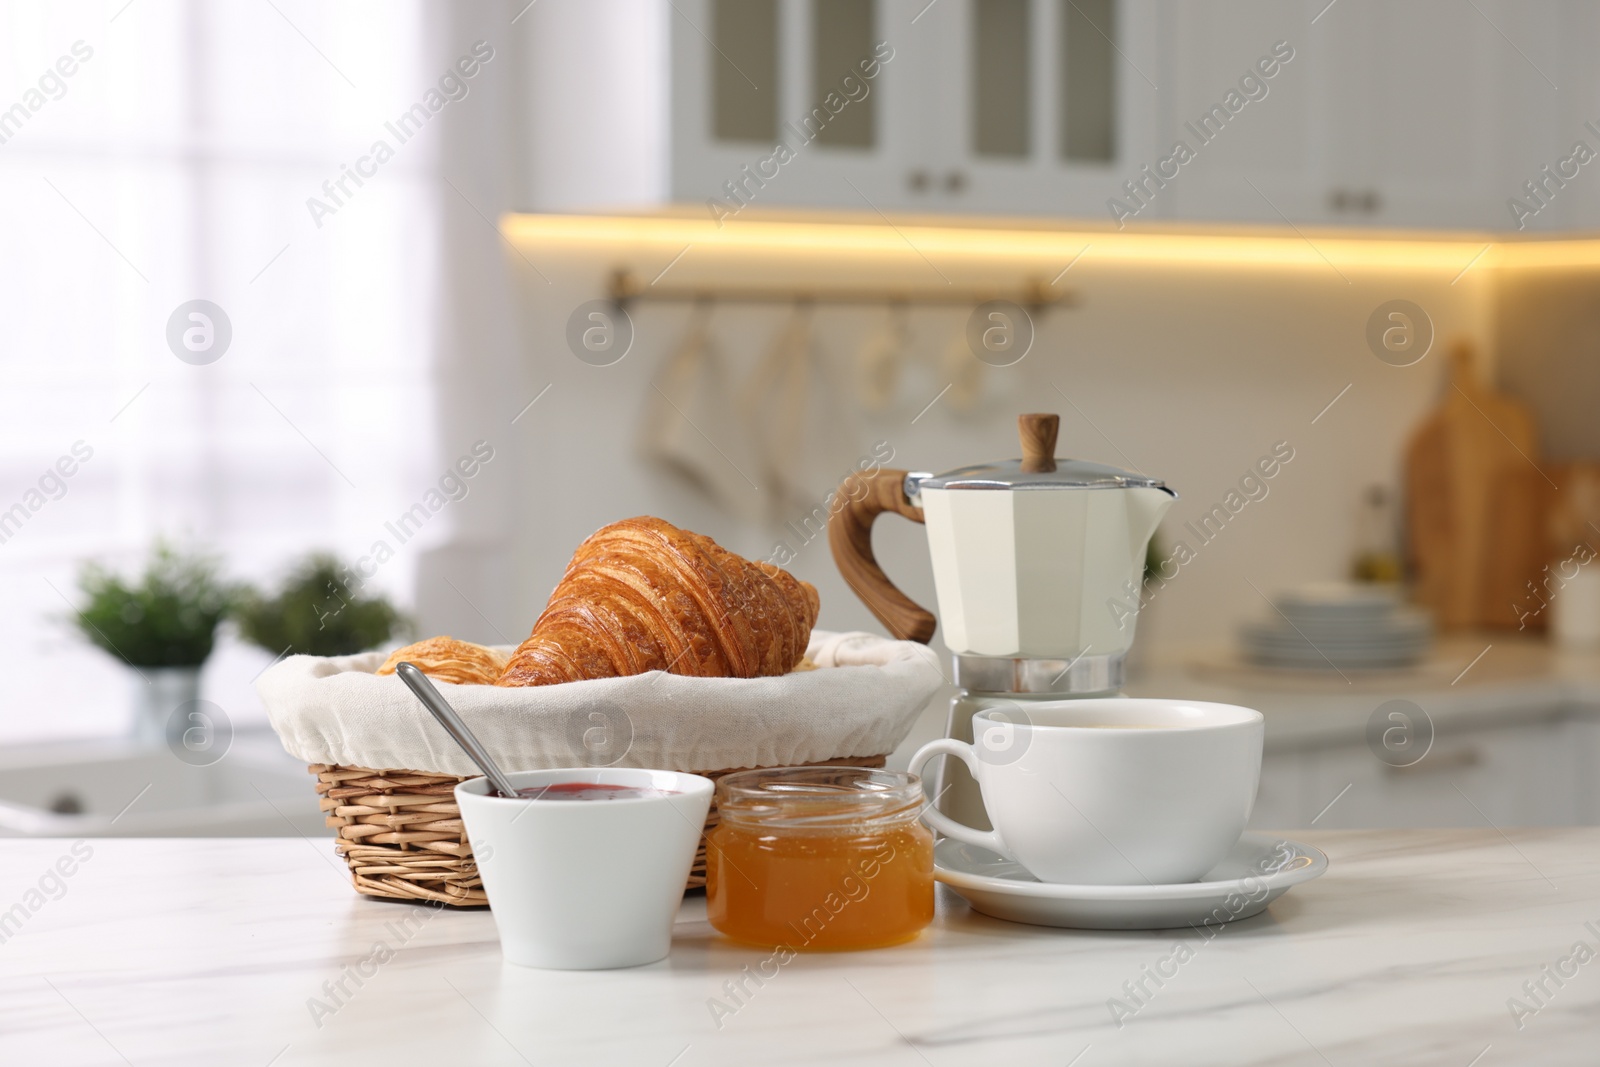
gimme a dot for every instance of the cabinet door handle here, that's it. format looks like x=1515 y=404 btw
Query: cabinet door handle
x=955 y=182
x=1437 y=762
x=918 y=181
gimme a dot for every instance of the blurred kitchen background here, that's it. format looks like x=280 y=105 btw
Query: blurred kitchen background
x=275 y=275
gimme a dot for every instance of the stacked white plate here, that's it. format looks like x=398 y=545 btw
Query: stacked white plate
x=1339 y=626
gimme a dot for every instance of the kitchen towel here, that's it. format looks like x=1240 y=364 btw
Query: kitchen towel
x=860 y=701
x=690 y=425
x=807 y=440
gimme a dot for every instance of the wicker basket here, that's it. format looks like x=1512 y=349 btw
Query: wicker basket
x=402 y=835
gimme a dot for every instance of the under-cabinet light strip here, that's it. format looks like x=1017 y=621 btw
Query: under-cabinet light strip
x=1343 y=251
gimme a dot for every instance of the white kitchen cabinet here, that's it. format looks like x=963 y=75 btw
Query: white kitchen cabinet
x=1011 y=106
x=1270 y=159
x=1585 y=739
x=1555 y=123
x=1280 y=796
x=1535 y=773
x=1426 y=114
x=1510 y=776
x=831 y=81
x=1417 y=114
x=1040 y=107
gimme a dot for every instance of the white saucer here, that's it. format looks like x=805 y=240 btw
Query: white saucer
x=1258 y=871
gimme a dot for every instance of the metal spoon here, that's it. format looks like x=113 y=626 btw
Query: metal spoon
x=434 y=702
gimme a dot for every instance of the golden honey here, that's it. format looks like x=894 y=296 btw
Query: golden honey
x=819 y=859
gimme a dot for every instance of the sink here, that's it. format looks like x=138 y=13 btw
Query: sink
x=124 y=789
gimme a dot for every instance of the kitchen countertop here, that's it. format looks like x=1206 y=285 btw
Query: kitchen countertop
x=1468 y=681
x=233 y=952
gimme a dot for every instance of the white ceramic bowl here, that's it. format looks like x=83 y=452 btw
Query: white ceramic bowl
x=586 y=884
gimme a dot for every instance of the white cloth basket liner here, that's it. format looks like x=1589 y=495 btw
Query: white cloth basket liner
x=861 y=701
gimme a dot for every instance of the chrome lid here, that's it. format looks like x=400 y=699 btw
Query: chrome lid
x=1009 y=474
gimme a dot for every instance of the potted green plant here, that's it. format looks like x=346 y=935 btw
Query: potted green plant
x=162 y=624
x=317 y=612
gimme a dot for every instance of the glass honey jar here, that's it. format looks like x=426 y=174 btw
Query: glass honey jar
x=820 y=858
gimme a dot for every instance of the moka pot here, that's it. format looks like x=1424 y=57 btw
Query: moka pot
x=1037 y=566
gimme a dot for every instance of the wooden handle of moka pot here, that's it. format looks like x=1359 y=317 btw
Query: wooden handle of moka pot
x=862 y=498
x=1038 y=433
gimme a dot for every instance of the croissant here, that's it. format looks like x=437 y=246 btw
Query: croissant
x=642 y=595
x=447 y=660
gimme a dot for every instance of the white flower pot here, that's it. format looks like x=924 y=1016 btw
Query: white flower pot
x=157 y=693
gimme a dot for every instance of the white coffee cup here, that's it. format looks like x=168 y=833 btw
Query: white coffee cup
x=586 y=884
x=1114 y=791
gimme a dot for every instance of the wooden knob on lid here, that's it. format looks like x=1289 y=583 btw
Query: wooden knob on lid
x=1038 y=433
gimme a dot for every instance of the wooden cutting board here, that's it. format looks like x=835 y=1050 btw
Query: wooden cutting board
x=1476 y=502
x=1519 y=546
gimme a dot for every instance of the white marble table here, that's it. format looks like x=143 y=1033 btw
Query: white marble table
x=256 y=952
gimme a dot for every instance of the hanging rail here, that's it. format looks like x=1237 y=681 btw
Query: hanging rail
x=1035 y=294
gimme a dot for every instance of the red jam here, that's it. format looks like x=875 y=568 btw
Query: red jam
x=592 y=791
